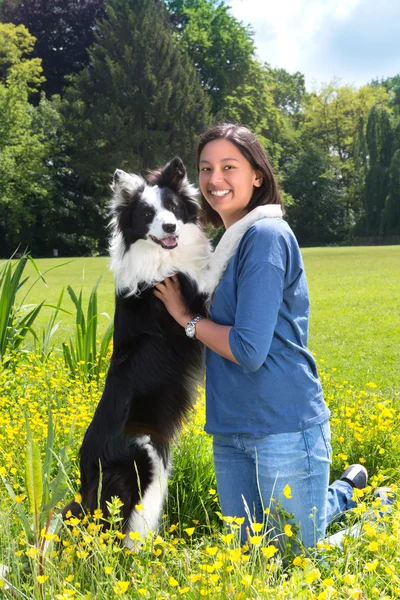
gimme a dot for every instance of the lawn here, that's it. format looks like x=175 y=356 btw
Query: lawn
x=354 y=333
x=355 y=307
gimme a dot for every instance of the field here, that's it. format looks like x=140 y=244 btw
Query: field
x=354 y=334
x=355 y=308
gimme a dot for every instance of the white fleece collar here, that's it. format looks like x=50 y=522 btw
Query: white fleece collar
x=230 y=241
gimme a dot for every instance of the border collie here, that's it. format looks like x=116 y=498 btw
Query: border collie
x=154 y=367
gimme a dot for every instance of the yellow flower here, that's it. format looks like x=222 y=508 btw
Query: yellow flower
x=371 y=566
x=120 y=535
x=239 y=520
x=246 y=579
x=193 y=578
x=287 y=492
x=373 y=546
x=212 y=492
x=78 y=498
x=139 y=507
x=349 y=579
x=121 y=587
x=212 y=550
x=20 y=498
x=108 y=570
x=98 y=513
x=355 y=593
x=184 y=590
x=269 y=551
x=297 y=561
x=173 y=582
x=227 y=538
x=134 y=535
x=257 y=527
x=288 y=530
x=31 y=552
x=42 y=578
x=189 y=531
x=256 y=539
x=312 y=576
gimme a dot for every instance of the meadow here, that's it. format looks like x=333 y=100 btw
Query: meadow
x=44 y=410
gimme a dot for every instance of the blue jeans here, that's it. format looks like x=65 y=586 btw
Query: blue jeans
x=255 y=470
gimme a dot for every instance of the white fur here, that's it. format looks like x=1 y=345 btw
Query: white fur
x=147 y=519
x=149 y=263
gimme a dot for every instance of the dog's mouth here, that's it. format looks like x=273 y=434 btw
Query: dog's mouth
x=168 y=243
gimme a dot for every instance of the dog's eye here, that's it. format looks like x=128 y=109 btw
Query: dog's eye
x=148 y=214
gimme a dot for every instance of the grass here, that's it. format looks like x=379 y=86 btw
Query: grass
x=355 y=312
x=355 y=308
x=354 y=326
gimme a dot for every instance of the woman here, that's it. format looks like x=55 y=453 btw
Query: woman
x=265 y=407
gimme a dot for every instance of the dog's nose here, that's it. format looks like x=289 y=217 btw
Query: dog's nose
x=169 y=227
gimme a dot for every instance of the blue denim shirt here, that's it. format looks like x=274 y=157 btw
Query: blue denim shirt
x=263 y=295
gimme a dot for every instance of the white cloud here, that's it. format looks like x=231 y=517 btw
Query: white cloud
x=306 y=35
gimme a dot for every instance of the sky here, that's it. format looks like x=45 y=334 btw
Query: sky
x=353 y=41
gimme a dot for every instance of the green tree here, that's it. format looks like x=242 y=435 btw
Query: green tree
x=315 y=214
x=252 y=104
x=380 y=147
x=139 y=103
x=220 y=46
x=390 y=220
x=25 y=179
x=63 y=30
x=333 y=117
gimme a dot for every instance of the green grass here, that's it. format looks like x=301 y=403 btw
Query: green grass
x=355 y=308
x=355 y=312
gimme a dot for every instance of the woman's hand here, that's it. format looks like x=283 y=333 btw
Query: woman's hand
x=170 y=294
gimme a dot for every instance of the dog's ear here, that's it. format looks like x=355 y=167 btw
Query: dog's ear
x=173 y=173
x=125 y=187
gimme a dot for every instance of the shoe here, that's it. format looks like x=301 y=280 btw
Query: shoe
x=386 y=494
x=356 y=476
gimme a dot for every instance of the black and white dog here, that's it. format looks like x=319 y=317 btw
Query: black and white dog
x=154 y=367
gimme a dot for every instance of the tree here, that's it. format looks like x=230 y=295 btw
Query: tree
x=221 y=47
x=64 y=30
x=316 y=214
x=251 y=104
x=390 y=220
x=333 y=117
x=138 y=104
x=380 y=147
x=25 y=181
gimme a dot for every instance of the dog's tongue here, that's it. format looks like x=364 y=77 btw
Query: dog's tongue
x=169 y=241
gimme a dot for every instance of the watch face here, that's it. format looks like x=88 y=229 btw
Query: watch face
x=190 y=330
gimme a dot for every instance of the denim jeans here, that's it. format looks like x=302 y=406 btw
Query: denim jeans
x=255 y=470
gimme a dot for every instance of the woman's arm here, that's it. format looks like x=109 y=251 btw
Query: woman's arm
x=212 y=335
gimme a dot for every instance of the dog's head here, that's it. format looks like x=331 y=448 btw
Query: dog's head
x=154 y=208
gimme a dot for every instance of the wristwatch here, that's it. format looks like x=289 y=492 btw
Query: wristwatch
x=190 y=328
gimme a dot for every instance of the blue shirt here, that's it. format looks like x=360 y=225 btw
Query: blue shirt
x=263 y=294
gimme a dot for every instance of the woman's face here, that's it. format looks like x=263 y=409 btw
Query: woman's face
x=227 y=179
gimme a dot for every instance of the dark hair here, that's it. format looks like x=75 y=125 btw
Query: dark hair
x=247 y=143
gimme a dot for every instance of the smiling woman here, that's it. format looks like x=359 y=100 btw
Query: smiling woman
x=265 y=406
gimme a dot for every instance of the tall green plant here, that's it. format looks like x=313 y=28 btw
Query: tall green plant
x=15 y=321
x=43 y=491
x=86 y=356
